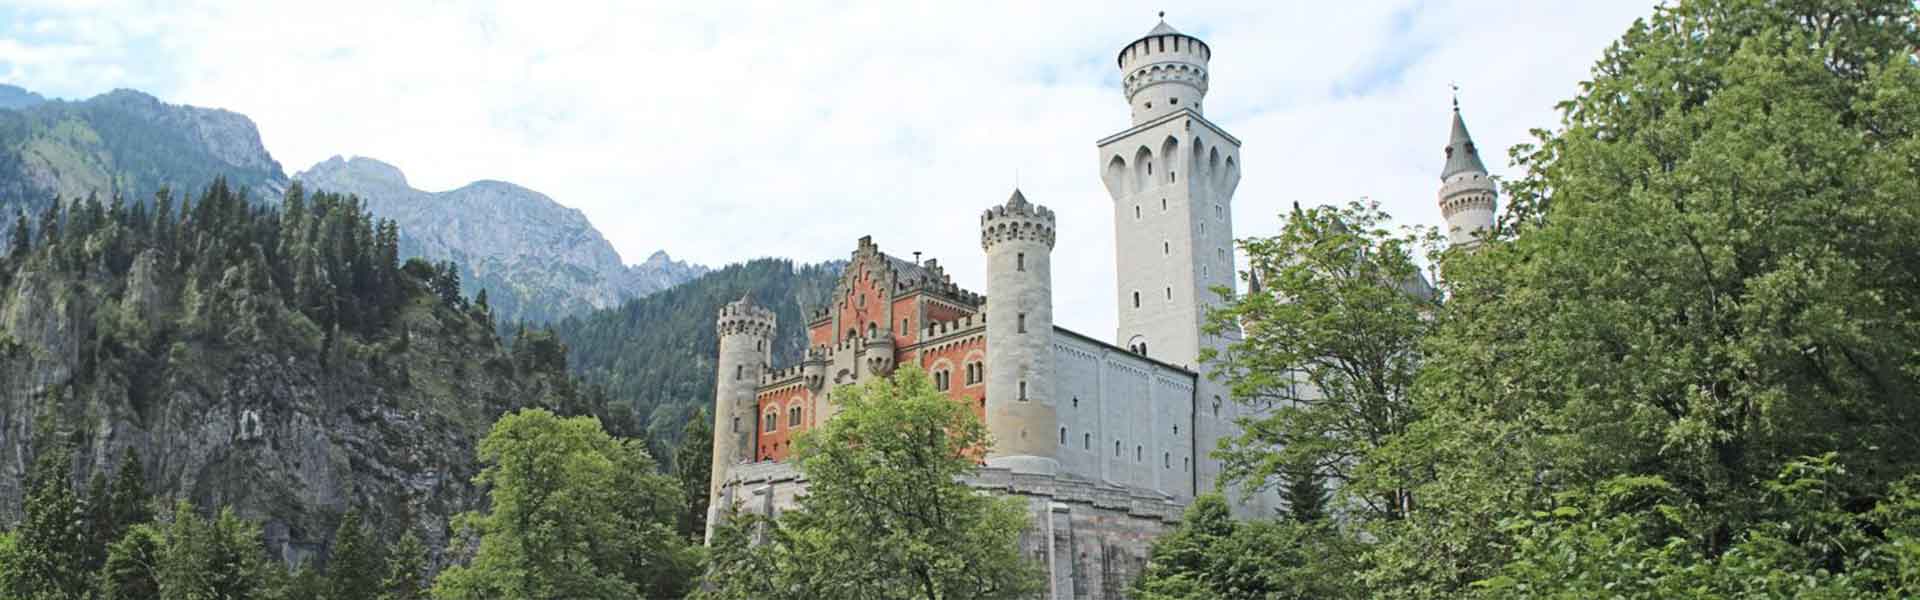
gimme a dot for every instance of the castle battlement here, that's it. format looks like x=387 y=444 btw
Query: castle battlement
x=1018 y=219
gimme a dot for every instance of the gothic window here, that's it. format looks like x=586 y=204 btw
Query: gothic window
x=872 y=329
x=793 y=417
x=772 y=422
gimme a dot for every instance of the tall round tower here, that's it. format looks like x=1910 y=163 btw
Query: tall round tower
x=746 y=337
x=1164 y=71
x=1466 y=191
x=1018 y=240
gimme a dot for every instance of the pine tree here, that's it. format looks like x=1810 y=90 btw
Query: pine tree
x=407 y=569
x=693 y=466
x=354 y=571
x=129 y=497
x=1305 y=492
x=21 y=241
x=131 y=572
x=49 y=555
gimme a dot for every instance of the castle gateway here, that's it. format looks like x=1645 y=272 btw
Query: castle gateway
x=1107 y=441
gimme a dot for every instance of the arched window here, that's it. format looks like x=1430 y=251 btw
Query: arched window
x=1020 y=261
x=1166 y=460
x=772 y=422
x=873 y=329
x=793 y=417
x=1021 y=322
x=1116 y=448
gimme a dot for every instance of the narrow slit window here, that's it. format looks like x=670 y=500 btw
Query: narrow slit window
x=1020 y=261
x=1023 y=391
x=1021 y=323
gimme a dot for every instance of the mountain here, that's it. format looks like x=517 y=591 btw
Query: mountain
x=15 y=97
x=124 y=143
x=539 y=261
x=286 y=365
x=656 y=354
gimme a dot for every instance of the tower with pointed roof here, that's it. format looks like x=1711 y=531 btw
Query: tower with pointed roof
x=1018 y=239
x=1467 y=193
x=1171 y=175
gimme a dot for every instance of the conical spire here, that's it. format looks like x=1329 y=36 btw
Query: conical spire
x=1018 y=199
x=1462 y=156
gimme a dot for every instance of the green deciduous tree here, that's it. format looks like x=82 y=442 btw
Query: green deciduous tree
x=1212 y=556
x=693 y=466
x=132 y=571
x=884 y=516
x=575 y=513
x=1330 y=349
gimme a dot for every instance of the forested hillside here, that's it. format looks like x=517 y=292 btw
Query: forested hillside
x=284 y=364
x=656 y=354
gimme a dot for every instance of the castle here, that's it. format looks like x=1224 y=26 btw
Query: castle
x=1107 y=440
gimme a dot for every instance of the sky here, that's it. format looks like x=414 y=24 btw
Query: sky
x=725 y=131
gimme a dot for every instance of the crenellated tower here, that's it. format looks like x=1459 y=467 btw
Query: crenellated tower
x=1467 y=193
x=1172 y=175
x=1018 y=239
x=746 y=340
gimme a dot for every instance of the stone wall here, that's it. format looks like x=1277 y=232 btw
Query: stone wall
x=1092 y=538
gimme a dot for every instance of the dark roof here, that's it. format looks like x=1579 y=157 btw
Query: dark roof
x=1462 y=156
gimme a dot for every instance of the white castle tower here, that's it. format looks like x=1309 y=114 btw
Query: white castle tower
x=746 y=334
x=1018 y=239
x=1172 y=176
x=1466 y=192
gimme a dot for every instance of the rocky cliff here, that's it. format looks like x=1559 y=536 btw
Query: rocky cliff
x=284 y=365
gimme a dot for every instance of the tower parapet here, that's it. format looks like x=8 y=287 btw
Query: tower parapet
x=1018 y=239
x=746 y=337
x=1163 y=72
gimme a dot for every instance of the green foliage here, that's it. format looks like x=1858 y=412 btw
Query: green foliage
x=1212 y=556
x=574 y=513
x=132 y=571
x=357 y=565
x=1330 y=349
x=213 y=558
x=53 y=545
x=656 y=354
x=406 y=570
x=885 y=516
x=693 y=466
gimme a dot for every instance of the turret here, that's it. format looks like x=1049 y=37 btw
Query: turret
x=746 y=338
x=1018 y=239
x=1164 y=71
x=1466 y=191
x=814 y=368
x=878 y=353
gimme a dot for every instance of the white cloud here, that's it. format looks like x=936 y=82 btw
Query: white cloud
x=727 y=131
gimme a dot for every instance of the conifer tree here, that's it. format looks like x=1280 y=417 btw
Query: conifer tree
x=49 y=557
x=406 y=570
x=356 y=568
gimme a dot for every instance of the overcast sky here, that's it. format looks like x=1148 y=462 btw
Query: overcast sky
x=723 y=131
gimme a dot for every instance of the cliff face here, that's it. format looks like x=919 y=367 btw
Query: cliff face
x=538 y=260
x=240 y=382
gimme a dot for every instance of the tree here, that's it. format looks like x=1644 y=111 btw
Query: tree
x=1330 y=349
x=1706 y=275
x=885 y=515
x=52 y=544
x=129 y=500
x=693 y=466
x=357 y=565
x=574 y=513
x=1305 y=493
x=406 y=570
x=1212 y=556
x=213 y=558
x=132 y=571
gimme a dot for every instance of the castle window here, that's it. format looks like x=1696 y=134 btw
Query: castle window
x=1021 y=322
x=1163 y=203
x=1150 y=165
x=1217 y=213
x=772 y=422
x=1166 y=460
x=860 y=301
x=1063 y=436
x=1173 y=101
x=1163 y=43
x=1173 y=176
x=793 y=417
x=1203 y=228
x=1139 y=453
x=1216 y=407
x=739 y=372
x=1020 y=261
x=904 y=328
x=1136 y=299
x=1166 y=247
x=1116 y=448
x=736 y=425
x=1086 y=441
x=1184 y=462
x=1136 y=212
x=1169 y=292
x=1203 y=271
x=1076 y=402
x=1176 y=430
x=1023 y=391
